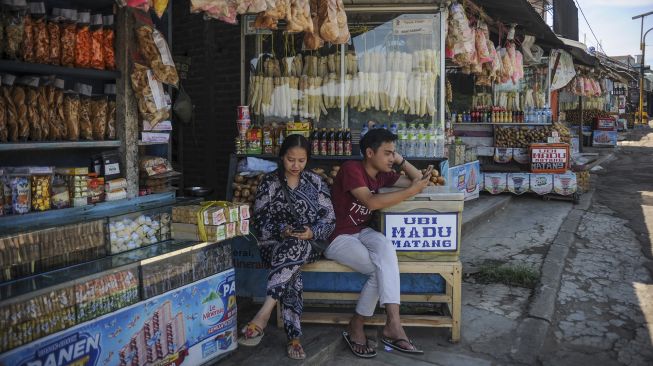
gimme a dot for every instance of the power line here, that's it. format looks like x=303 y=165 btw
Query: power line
x=590 y=27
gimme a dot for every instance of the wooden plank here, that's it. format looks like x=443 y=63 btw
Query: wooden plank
x=126 y=108
x=58 y=145
x=353 y=296
x=404 y=267
x=456 y=308
x=380 y=319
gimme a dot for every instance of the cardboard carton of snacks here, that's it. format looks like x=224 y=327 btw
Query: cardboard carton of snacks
x=541 y=183
x=231 y=229
x=215 y=216
x=244 y=212
x=191 y=232
x=243 y=227
x=185 y=214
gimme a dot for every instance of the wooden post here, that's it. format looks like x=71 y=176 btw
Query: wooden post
x=126 y=109
x=580 y=133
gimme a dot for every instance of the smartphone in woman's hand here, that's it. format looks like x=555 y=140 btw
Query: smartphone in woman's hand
x=298 y=230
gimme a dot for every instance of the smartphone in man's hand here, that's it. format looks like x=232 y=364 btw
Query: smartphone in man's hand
x=298 y=230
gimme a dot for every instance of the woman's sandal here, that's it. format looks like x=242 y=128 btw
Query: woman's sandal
x=295 y=346
x=251 y=335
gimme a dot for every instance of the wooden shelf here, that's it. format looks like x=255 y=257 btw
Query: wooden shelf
x=143 y=143
x=33 y=68
x=327 y=157
x=57 y=145
x=12 y=224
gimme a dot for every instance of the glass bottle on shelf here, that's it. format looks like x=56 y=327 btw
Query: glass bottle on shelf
x=347 y=142
x=331 y=142
x=315 y=142
x=323 y=142
x=339 y=142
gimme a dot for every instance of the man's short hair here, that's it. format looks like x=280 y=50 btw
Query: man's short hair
x=375 y=138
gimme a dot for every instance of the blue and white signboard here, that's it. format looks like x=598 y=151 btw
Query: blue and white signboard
x=187 y=326
x=429 y=232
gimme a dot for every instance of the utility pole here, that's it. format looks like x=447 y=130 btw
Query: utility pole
x=642 y=36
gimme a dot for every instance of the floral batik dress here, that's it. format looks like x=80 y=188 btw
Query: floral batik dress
x=285 y=256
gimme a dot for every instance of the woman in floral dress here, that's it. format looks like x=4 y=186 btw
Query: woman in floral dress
x=285 y=238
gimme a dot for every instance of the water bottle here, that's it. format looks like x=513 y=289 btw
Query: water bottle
x=402 y=137
x=393 y=128
x=412 y=141
x=421 y=142
x=433 y=143
x=439 y=148
x=364 y=131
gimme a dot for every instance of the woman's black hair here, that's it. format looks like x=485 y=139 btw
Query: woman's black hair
x=295 y=140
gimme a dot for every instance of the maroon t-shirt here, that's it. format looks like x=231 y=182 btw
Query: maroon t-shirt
x=351 y=215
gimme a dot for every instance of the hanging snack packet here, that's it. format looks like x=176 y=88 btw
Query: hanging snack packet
x=20 y=193
x=43 y=108
x=108 y=36
x=15 y=27
x=19 y=96
x=27 y=48
x=151 y=97
x=54 y=32
x=83 y=40
x=41 y=182
x=71 y=115
x=155 y=51
x=4 y=127
x=110 y=91
x=99 y=107
x=33 y=117
x=41 y=37
x=54 y=96
x=68 y=37
x=85 y=126
x=60 y=194
x=97 y=40
x=10 y=107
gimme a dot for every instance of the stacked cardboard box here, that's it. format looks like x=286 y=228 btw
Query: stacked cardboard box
x=222 y=221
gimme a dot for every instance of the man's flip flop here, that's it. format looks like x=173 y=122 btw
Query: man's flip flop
x=394 y=344
x=351 y=345
x=252 y=335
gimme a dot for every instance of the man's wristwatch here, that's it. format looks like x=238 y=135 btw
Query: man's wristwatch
x=401 y=164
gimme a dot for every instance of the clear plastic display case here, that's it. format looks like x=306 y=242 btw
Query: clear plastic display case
x=390 y=73
x=138 y=229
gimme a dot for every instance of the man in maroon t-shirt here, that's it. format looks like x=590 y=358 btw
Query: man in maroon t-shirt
x=355 y=196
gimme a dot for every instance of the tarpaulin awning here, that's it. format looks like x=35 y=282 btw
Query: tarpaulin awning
x=522 y=13
x=579 y=51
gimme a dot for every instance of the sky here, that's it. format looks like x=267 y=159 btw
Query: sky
x=614 y=27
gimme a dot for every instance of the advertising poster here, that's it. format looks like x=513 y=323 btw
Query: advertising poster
x=495 y=183
x=604 y=138
x=541 y=183
x=187 y=326
x=565 y=184
x=518 y=183
x=466 y=179
x=422 y=232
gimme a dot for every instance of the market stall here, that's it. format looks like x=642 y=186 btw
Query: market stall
x=87 y=196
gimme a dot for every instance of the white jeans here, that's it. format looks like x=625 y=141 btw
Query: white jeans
x=370 y=253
